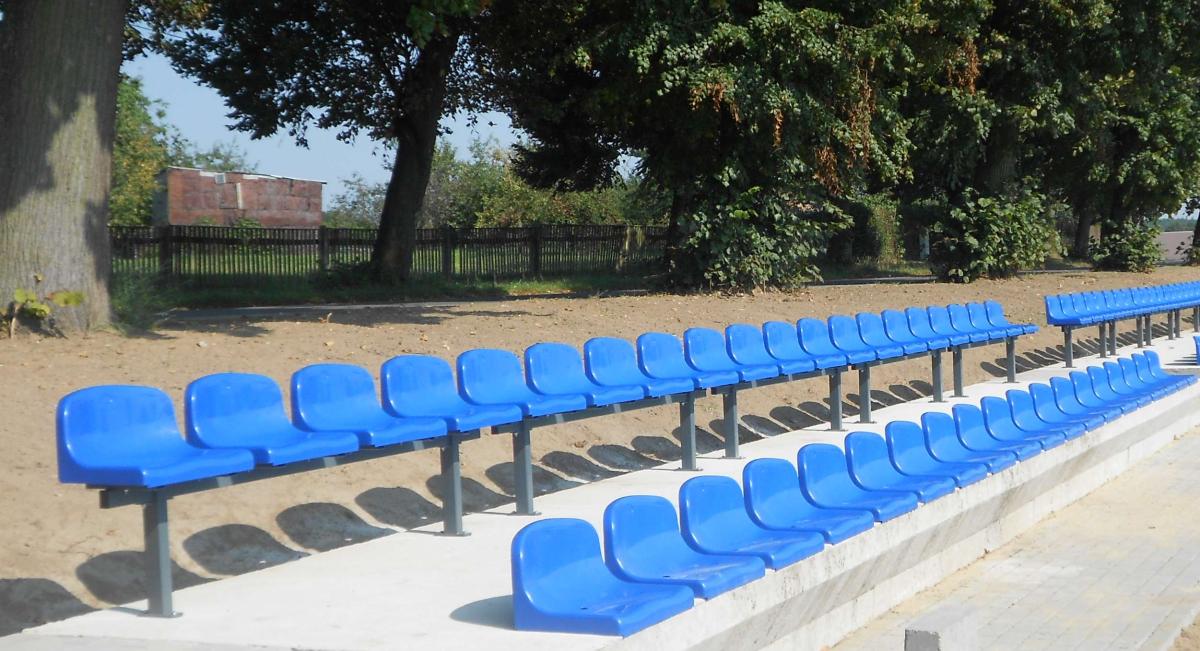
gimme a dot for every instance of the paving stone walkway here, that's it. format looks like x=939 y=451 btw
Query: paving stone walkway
x=1119 y=569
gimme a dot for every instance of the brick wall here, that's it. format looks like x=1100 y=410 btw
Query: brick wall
x=196 y=196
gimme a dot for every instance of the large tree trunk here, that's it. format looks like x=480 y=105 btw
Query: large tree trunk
x=416 y=137
x=58 y=87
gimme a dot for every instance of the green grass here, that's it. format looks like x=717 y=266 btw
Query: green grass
x=872 y=269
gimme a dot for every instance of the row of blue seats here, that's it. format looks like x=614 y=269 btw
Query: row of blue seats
x=656 y=561
x=1091 y=308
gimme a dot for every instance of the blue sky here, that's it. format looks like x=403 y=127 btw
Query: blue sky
x=199 y=114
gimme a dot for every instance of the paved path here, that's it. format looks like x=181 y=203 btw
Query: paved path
x=1119 y=569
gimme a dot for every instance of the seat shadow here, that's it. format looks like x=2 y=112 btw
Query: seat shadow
x=705 y=441
x=905 y=392
x=745 y=434
x=659 y=447
x=28 y=602
x=577 y=466
x=544 y=481
x=496 y=612
x=793 y=418
x=119 y=577
x=324 y=526
x=763 y=427
x=399 y=507
x=237 y=549
x=621 y=457
x=476 y=497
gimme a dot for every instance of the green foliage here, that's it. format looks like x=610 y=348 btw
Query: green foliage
x=992 y=237
x=29 y=305
x=246 y=222
x=1127 y=246
x=1175 y=225
x=139 y=300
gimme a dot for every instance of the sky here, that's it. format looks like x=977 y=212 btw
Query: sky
x=199 y=114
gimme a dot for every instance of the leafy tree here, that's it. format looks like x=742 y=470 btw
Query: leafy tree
x=359 y=206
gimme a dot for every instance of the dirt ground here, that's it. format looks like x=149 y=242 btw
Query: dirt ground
x=62 y=555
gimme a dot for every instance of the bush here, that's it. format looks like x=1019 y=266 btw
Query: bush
x=139 y=301
x=1130 y=246
x=992 y=237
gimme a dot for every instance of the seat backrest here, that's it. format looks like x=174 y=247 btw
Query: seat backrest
x=906 y=443
x=551 y=368
x=960 y=318
x=705 y=349
x=1100 y=383
x=712 y=510
x=997 y=413
x=995 y=313
x=977 y=313
x=823 y=470
x=814 y=337
x=1044 y=402
x=488 y=375
x=870 y=326
x=221 y=409
x=783 y=341
x=938 y=428
x=1129 y=368
x=1064 y=391
x=661 y=355
x=867 y=456
x=612 y=361
x=918 y=323
x=843 y=332
x=420 y=381
x=640 y=533
x=772 y=490
x=113 y=423
x=939 y=320
x=1024 y=414
x=551 y=559
x=747 y=344
x=327 y=396
x=895 y=324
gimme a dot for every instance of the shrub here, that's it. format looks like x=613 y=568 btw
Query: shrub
x=992 y=237
x=1130 y=246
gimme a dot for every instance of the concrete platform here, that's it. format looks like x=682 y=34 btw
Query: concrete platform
x=419 y=589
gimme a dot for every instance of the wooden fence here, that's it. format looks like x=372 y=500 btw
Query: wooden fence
x=222 y=255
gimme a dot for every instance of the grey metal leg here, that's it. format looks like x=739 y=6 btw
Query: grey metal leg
x=158 y=557
x=1010 y=359
x=1137 y=331
x=957 y=359
x=452 y=501
x=1112 y=338
x=936 y=375
x=1068 y=347
x=1196 y=318
x=864 y=394
x=523 y=469
x=729 y=401
x=1104 y=340
x=1178 y=323
x=1148 y=329
x=687 y=425
x=835 y=400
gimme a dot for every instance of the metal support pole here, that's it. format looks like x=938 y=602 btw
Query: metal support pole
x=1103 y=340
x=1178 y=323
x=729 y=401
x=1196 y=318
x=864 y=394
x=1010 y=359
x=687 y=436
x=1170 y=325
x=1148 y=329
x=523 y=469
x=936 y=375
x=452 y=501
x=1068 y=347
x=957 y=359
x=158 y=557
x=1112 y=338
x=835 y=400
x=1137 y=330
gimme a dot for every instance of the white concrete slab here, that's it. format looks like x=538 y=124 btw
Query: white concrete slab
x=417 y=588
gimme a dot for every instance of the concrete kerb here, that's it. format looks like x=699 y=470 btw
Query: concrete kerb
x=416 y=591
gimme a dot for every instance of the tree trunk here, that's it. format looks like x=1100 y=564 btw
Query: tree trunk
x=416 y=137
x=998 y=168
x=1084 y=215
x=57 y=111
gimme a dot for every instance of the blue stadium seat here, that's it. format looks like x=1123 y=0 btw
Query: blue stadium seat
x=342 y=397
x=1025 y=415
x=871 y=468
x=906 y=445
x=825 y=481
x=1116 y=381
x=244 y=411
x=972 y=432
x=979 y=318
x=422 y=386
x=1067 y=400
x=560 y=583
x=612 y=362
x=843 y=334
x=494 y=377
x=941 y=437
x=1145 y=371
x=961 y=320
x=998 y=417
x=1157 y=369
x=774 y=501
x=1089 y=396
x=660 y=355
x=815 y=338
x=707 y=351
x=127 y=436
x=870 y=326
x=713 y=513
x=1104 y=390
x=919 y=324
x=642 y=543
x=1132 y=379
x=895 y=324
x=555 y=369
x=1048 y=409
x=748 y=346
x=783 y=341
x=939 y=321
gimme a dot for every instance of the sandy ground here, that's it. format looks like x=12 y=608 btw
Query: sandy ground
x=62 y=555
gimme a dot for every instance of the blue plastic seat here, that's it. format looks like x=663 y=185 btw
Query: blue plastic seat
x=707 y=351
x=1116 y=381
x=1067 y=400
x=998 y=417
x=560 y=583
x=906 y=446
x=555 y=369
x=244 y=411
x=421 y=386
x=825 y=481
x=714 y=519
x=995 y=313
x=814 y=338
x=660 y=355
x=774 y=501
x=870 y=326
x=341 y=397
x=642 y=543
x=783 y=341
x=871 y=468
x=961 y=320
x=1025 y=415
x=979 y=318
x=895 y=324
x=843 y=333
x=748 y=346
x=1048 y=409
x=127 y=436
x=939 y=321
x=918 y=323
x=941 y=437
x=1104 y=389
x=1156 y=367
x=612 y=362
x=1134 y=380
x=494 y=377
x=1089 y=396
x=1146 y=372
x=972 y=432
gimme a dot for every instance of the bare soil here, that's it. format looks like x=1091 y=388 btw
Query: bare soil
x=62 y=555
